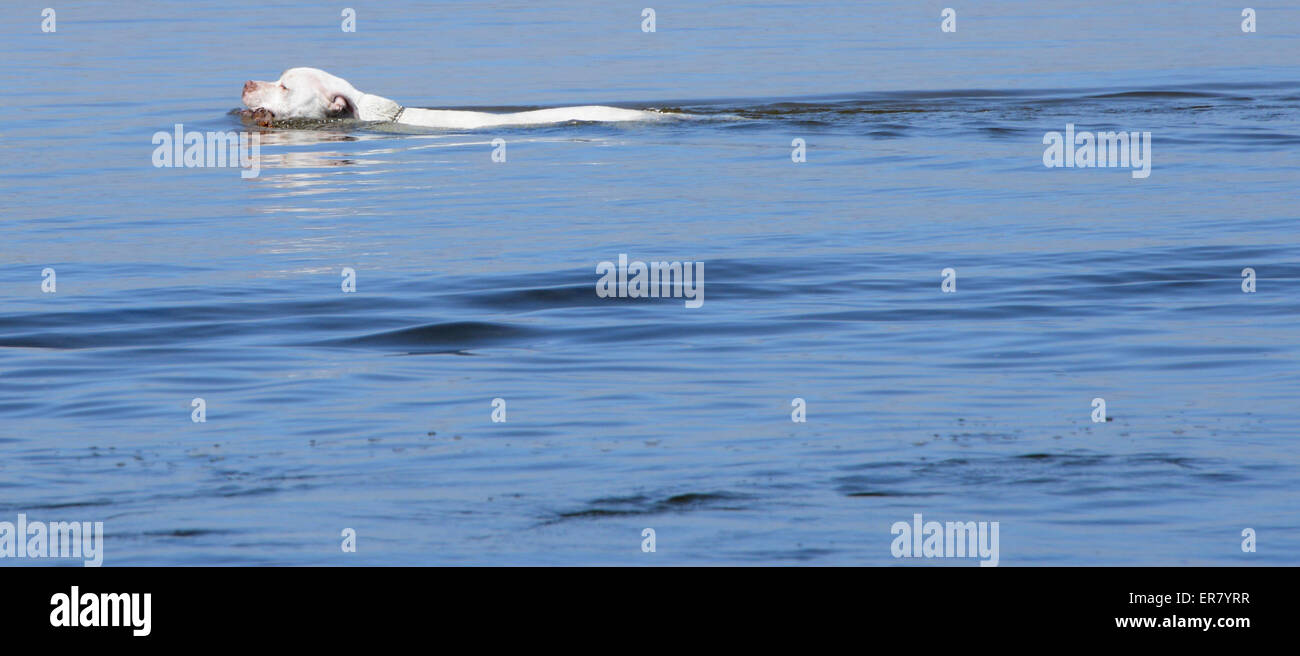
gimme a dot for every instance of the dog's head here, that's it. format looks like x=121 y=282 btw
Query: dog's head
x=303 y=93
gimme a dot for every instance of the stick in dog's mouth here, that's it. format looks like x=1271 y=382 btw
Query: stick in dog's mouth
x=260 y=117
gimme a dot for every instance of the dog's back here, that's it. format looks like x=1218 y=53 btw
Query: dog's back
x=464 y=120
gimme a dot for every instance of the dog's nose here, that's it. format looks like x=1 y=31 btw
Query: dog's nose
x=249 y=86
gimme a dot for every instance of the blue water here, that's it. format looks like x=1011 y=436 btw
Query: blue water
x=476 y=281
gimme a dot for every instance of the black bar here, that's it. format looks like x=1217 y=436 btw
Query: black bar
x=933 y=605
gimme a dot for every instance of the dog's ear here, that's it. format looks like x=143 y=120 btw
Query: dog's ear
x=340 y=98
x=335 y=93
x=340 y=105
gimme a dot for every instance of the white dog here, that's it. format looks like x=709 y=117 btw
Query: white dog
x=314 y=94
